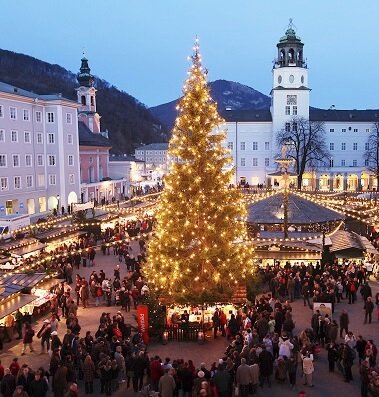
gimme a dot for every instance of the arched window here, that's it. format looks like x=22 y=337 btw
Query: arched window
x=282 y=56
x=83 y=99
x=291 y=55
x=92 y=101
x=300 y=56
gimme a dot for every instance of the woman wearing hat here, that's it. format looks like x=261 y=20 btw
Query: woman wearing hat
x=44 y=334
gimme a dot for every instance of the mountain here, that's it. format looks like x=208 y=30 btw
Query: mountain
x=226 y=93
x=127 y=120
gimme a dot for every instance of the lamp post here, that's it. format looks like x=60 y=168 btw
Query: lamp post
x=58 y=197
x=284 y=162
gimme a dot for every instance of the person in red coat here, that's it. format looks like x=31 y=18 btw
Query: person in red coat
x=14 y=367
x=27 y=338
x=156 y=371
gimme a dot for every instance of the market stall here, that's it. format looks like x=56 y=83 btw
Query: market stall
x=28 y=250
x=68 y=239
x=200 y=320
x=18 y=301
x=201 y=315
x=46 y=294
x=18 y=291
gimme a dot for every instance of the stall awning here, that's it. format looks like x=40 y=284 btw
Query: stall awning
x=369 y=248
x=344 y=240
x=28 y=249
x=23 y=280
x=10 y=245
x=8 y=290
x=50 y=283
x=15 y=303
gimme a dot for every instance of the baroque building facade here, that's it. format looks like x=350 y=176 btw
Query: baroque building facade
x=39 y=152
x=251 y=134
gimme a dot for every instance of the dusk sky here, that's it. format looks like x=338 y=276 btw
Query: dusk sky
x=141 y=46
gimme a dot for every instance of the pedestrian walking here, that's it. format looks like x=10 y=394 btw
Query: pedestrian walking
x=28 y=334
x=368 y=308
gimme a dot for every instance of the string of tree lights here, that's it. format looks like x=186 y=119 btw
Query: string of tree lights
x=199 y=252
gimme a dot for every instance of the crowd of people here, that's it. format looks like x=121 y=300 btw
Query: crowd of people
x=263 y=346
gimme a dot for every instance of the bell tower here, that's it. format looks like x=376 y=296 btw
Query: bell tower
x=87 y=97
x=290 y=91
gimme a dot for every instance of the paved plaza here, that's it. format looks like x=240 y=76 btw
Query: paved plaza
x=325 y=384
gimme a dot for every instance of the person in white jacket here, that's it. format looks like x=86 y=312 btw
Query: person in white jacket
x=285 y=346
x=308 y=368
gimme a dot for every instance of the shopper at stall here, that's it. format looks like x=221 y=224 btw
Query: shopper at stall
x=9 y=323
x=18 y=323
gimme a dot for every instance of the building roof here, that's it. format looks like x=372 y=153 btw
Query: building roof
x=348 y=243
x=10 y=89
x=88 y=138
x=370 y=115
x=300 y=211
x=124 y=158
x=343 y=240
x=154 y=146
x=315 y=114
x=247 y=115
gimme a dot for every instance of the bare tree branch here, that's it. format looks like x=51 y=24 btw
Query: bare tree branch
x=306 y=142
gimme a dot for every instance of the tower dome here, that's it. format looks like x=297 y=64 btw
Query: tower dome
x=84 y=77
x=290 y=49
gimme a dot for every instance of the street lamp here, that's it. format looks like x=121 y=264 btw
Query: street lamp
x=284 y=163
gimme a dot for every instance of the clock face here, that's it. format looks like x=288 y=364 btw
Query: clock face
x=279 y=79
x=291 y=78
x=291 y=99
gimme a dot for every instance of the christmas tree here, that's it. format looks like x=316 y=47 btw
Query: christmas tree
x=199 y=252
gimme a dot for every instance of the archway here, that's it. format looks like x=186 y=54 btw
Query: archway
x=352 y=182
x=308 y=181
x=72 y=198
x=338 y=182
x=325 y=182
x=291 y=55
x=52 y=203
x=365 y=181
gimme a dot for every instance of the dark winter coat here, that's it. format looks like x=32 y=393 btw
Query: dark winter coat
x=266 y=363
x=28 y=335
x=89 y=371
x=38 y=388
x=8 y=385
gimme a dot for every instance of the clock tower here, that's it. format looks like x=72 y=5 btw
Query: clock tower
x=87 y=97
x=290 y=92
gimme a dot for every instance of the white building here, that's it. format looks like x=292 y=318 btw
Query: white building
x=127 y=169
x=155 y=158
x=39 y=152
x=252 y=133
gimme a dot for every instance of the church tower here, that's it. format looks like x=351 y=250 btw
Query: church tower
x=87 y=97
x=290 y=92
